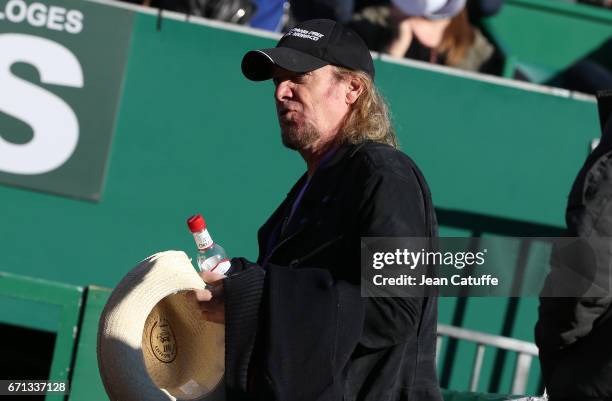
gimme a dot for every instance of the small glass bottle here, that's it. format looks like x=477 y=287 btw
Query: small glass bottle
x=210 y=256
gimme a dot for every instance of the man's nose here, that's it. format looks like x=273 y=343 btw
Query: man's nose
x=283 y=90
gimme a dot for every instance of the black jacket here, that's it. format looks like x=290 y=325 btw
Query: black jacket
x=574 y=335
x=316 y=337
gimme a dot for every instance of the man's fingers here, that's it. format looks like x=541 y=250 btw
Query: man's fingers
x=203 y=295
x=216 y=290
x=210 y=297
x=211 y=277
x=210 y=303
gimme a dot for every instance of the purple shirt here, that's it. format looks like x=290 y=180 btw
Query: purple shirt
x=298 y=199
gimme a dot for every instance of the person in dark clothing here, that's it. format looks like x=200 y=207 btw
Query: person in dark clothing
x=573 y=333
x=297 y=327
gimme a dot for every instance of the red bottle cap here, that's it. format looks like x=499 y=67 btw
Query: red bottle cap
x=196 y=223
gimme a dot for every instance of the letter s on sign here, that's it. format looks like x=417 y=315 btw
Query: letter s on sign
x=55 y=126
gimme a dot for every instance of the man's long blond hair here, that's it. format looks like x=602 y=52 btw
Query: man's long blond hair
x=369 y=115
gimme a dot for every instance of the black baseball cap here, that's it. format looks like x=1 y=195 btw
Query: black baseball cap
x=310 y=45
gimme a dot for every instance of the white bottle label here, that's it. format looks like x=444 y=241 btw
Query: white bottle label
x=215 y=263
x=203 y=239
x=222 y=266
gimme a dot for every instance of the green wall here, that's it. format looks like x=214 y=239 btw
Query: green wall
x=546 y=36
x=193 y=135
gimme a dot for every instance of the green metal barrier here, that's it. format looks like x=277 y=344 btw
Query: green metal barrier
x=86 y=382
x=543 y=37
x=64 y=299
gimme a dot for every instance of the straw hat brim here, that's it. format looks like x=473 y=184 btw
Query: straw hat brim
x=153 y=343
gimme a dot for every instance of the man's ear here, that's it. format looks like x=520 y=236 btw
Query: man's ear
x=355 y=87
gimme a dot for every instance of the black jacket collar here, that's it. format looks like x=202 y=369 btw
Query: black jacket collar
x=319 y=184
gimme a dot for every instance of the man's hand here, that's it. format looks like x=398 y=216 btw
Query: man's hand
x=210 y=300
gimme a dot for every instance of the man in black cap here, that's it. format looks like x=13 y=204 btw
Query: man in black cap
x=297 y=327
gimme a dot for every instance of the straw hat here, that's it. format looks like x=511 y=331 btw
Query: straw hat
x=152 y=341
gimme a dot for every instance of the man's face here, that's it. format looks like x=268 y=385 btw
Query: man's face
x=311 y=107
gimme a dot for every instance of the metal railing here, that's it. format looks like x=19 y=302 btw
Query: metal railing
x=525 y=350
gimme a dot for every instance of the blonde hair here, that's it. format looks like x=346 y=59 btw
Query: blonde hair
x=369 y=116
